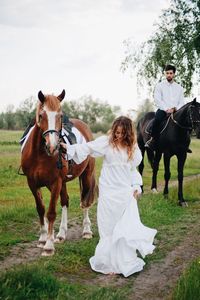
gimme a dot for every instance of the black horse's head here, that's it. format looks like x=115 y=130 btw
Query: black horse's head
x=194 y=116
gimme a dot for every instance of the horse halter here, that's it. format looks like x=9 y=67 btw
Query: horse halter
x=59 y=163
x=51 y=131
x=57 y=132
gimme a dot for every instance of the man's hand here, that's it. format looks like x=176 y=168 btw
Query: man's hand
x=170 y=110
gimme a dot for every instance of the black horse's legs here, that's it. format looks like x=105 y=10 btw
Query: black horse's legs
x=181 y=161
x=141 y=165
x=167 y=174
x=155 y=170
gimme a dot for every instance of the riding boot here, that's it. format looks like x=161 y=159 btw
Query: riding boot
x=150 y=144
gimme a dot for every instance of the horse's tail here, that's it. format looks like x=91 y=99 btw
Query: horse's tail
x=150 y=156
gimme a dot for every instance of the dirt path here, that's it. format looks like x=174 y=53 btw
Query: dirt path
x=27 y=252
x=158 y=280
x=174 y=183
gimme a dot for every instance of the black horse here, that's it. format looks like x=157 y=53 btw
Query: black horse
x=174 y=139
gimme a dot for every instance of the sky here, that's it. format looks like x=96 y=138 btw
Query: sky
x=51 y=45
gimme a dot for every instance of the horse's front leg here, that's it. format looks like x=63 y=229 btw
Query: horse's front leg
x=64 y=199
x=181 y=162
x=41 y=212
x=141 y=165
x=87 y=232
x=51 y=216
x=156 y=162
x=167 y=174
x=88 y=187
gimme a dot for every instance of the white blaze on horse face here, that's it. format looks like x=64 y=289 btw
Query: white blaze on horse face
x=51 y=115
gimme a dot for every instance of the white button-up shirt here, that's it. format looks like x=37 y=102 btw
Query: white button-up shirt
x=168 y=95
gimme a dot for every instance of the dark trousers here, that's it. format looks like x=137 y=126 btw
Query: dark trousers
x=159 y=117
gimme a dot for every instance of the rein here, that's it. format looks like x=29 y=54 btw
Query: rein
x=59 y=163
x=178 y=124
x=191 y=120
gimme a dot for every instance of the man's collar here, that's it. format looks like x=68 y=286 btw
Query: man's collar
x=169 y=82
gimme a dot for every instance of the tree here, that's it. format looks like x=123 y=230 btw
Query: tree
x=9 y=117
x=176 y=41
x=25 y=113
x=98 y=114
x=144 y=108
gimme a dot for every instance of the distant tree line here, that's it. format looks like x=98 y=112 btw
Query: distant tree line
x=98 y=114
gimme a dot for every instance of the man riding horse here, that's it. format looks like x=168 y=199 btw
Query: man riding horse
x=169 y=97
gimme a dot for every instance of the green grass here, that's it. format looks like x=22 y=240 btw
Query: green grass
x=30 y=283
x=11 y=136
x=188 y=287
x=69 y=268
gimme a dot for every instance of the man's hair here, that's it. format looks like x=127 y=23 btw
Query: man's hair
x=170 y=67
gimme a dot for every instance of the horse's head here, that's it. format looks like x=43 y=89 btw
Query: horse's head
x=50 y=120
x=194 y=115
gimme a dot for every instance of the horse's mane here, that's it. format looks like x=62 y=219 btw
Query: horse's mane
x=52 y=103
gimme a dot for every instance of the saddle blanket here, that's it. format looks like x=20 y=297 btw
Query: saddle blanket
x=80 y=139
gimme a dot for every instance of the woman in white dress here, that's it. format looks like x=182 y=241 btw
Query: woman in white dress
x=120 y=229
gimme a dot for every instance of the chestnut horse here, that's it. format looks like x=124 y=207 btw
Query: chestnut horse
x=40 y=156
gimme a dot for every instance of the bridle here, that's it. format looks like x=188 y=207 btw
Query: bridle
x=51 y=131
x=191 y=120
x=59 y=134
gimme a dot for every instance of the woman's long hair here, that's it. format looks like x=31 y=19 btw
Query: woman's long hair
x=129 y=138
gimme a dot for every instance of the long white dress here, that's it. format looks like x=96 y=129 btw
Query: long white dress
x=120 y=229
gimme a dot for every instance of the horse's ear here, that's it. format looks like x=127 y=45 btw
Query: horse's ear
x=194 y=100
x=61 y=96
x=41 y=97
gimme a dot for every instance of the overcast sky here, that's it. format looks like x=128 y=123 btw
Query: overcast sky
x=49 y=45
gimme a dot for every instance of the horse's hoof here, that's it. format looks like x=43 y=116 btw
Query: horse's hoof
x=41 y=244
x=165 y=196
x=48 y=252
x=154 y=191
x=87 y=235
x=59 y=240
x=183 y=203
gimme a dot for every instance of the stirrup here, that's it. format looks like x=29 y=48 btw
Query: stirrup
x=147 y=144
x=150 y=144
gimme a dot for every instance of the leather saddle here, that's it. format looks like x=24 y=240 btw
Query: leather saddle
x=67 y=125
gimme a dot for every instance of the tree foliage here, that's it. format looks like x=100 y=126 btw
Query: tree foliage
x=144 y=108
x=176 y=41
x=99 y=115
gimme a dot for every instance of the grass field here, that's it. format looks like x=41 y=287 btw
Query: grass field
x=188 y=286
x=67 y=275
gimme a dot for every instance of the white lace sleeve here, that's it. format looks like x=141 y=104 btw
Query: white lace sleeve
x=96 y=148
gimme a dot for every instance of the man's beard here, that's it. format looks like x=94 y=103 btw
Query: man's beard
x=169 y=79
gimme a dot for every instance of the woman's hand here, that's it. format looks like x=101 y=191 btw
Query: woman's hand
x=64 y=147
x=136 y=194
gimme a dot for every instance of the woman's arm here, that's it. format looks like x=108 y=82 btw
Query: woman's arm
x=79 y=152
